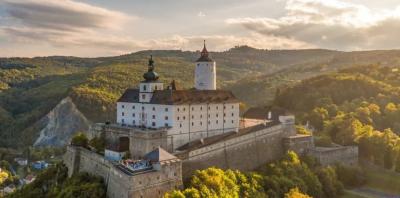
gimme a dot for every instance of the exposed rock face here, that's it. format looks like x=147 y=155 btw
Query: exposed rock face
x=61 y=123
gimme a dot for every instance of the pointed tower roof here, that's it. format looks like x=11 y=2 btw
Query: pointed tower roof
x=159 y=155
x=204 y=55
x=150 y=75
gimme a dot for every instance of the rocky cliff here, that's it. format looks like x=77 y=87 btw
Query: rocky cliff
x=60 y=124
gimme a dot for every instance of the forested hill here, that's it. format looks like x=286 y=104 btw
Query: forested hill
x=31 y=87
x=355 y=106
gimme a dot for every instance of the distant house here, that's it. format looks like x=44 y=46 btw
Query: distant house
x=9 y=189
x=21 y=161
x=29 y=179
x=40 y=165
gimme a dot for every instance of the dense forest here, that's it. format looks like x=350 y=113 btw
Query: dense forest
x=355 y=106
x=31 y=87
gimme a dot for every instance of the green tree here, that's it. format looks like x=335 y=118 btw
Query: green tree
x=79 y=139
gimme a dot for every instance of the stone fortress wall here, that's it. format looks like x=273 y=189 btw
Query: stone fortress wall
x=243 y=152
x=151 y=183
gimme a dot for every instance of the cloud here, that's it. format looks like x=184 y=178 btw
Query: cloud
x=330 y=24
x=201 y=14
x=66 y=15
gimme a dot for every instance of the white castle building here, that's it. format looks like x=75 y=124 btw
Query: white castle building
x=187 y=115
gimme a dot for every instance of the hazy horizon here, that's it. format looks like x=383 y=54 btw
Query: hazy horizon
x=95 y=28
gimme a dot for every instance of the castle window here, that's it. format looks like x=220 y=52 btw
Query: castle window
x=166 y=125
x=154 y=116
x=232 y=114
x=133 y=107
x=123 y=114
x=166 y=109
x=201 y=108
x=192 y=116
x=123 y=106
x=166 y=117
x=155 y=88
x=209 y=107
x=184 y=109
x=177 y=118
x=178 y=109
x=144 y=87
x=201 y=116
x=192 y=108
x=232 y=106
x=216 y=121
x=224 y=107
x=154 y=108
x=180 y=125
x=209 y=122
x=123 y=121
x=153 y=124
x=184 y=117
x=192 y=124
x=216 y=107
x=201 y=123
x=224 y=114
x=198 y=64
x=232 y=121
x=216 y=115
x=133 y=114
x=209 y=115
x=133 y=122
x=224 y=121
x=143 y=96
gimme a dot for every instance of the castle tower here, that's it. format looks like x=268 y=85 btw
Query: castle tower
x=205 y=76
x=150 y=83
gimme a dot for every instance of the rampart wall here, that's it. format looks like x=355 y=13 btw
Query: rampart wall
x=245 y=152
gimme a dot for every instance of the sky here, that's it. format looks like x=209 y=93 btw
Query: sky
x=92 y=28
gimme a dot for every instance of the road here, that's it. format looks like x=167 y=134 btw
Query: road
x=371 y=193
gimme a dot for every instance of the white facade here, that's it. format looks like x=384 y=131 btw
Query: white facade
x=185 y=123
x=205 y=76
x=147 y=89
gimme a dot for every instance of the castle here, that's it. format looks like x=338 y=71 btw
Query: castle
x=167 y=133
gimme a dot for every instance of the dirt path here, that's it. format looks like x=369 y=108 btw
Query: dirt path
x=371 y=193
